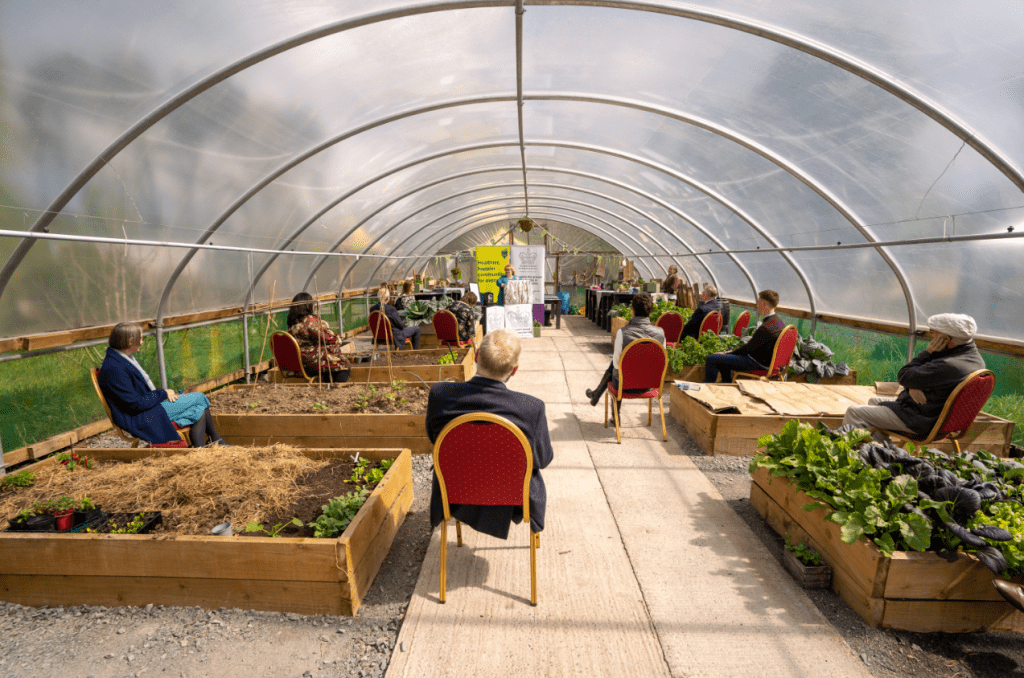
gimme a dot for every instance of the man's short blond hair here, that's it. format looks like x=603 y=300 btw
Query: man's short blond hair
x=499 y=353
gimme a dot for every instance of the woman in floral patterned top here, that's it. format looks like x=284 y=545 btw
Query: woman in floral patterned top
x=406 y=298
x=463 y=311
x=319 y=346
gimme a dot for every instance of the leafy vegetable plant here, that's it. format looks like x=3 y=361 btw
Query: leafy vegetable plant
x=692 y=351
x=255 y=526
x=71 y=460
x=446 y=359
x=338 y=513
x=804 y=553
x=19 y=479
x=815 y=359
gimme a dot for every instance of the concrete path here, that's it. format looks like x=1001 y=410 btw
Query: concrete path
x=643 y=568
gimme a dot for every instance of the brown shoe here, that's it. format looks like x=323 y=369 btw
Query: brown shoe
x=1014 y=593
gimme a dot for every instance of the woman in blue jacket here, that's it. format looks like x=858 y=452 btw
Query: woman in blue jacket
x=143 y=410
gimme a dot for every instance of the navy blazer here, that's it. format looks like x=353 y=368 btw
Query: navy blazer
x=692 y=326
x=449 y=400
x=133 y=407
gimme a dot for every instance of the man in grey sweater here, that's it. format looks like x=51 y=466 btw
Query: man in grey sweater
x=927 y=380
x=639 y=327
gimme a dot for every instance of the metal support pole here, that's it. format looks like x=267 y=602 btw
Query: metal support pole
x=341 y=318
x=160 y=353
x=245 y=345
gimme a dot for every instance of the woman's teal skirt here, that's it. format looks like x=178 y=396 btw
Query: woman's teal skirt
x=187 y=409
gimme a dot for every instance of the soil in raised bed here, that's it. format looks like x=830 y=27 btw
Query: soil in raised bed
x=202 y=488
x=406 y=358
x=344 y=399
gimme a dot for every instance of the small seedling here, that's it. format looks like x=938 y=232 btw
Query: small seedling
x=19 y=479
x=86 y=504
x=319 y=406
x=338 y=513
x=255 y=526
x=805 y=554
x=253 y=406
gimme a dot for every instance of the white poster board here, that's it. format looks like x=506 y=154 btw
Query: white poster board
x=519 y=319
x=495 y=318
x=528 y=261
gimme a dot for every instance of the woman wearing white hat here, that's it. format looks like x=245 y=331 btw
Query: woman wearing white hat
x=927 y=380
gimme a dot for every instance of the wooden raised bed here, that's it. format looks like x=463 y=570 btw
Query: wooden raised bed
x=695 y=373
x=352 y=431
x=428 y=339
x=308 y=576
x=918 y=592
x=463 y=369
x=737 y=434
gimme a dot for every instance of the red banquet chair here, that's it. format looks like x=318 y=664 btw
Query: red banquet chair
x=672 y=324
x=446 y=326
x=288 y=355
x=484 y=460
x=712 y=323
x=961 y=409
x=741 y=324
x=783 y=353
x=642 y=365
x=94 y=372
x=380 y=327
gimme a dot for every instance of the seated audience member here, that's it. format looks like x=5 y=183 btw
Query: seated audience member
x=139 y=407
x=319 y=345
x=402 y=302
x=668 y=285
x=398 y=328
x=463 y=310
x=639 y=327
x=927 y=380
x=708 y=304
x=497 y=361
x=756 y=353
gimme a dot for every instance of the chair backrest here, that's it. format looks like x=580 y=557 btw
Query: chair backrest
x=784 y=347
x=94 y=372
x=286 y=352
x=446 y=326
x=672 y=323
x=712 y=323
x=741 y=324
x=964 y=404
x=485 y=460
x=380 y=327
x=642 y=365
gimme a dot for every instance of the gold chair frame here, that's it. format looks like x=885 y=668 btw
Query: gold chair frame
x=771 y=366
x=94 y=372
x=528 y=450
x=650 y=405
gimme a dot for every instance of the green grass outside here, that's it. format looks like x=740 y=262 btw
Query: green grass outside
x=50 y=394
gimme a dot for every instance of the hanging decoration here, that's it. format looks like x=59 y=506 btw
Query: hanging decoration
x=526 y=224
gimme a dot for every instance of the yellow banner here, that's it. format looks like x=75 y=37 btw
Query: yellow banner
x=490 y=265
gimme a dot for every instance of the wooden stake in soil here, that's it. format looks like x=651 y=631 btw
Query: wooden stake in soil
x=321 y=343
x=270 y=315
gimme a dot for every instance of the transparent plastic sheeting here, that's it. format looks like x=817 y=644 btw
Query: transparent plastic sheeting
x=660 y=130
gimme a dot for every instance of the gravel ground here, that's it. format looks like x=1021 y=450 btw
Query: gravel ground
x=192 y=642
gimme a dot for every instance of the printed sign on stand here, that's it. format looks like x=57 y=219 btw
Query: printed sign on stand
x=495 y=318
x=519 y=319
x=490 y=265
x=529 y=263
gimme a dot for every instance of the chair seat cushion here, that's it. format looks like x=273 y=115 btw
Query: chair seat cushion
x=652 y=393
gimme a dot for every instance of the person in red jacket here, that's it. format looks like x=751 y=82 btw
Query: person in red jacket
x=757 y=353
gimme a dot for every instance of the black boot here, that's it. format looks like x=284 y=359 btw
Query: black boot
x=595 y=394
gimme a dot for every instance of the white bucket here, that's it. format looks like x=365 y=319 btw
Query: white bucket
x=223 y=530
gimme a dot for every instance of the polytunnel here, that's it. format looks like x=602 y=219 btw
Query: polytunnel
x=192 y=166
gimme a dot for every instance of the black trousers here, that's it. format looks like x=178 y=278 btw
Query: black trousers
x=203 y=428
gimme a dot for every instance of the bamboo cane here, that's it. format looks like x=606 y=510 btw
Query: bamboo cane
x=321 y=344
x=266 y=333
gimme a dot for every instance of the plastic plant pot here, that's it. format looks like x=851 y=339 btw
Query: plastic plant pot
x=222 y=530
x=65 y=519
x=40 y=523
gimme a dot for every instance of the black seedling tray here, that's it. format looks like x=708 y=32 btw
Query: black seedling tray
x=107 y=523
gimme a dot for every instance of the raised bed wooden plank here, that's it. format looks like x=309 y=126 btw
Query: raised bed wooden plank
x=945 y=592
x=308 y=576
x=737 y=434
x=209 y=557
x=282 y=596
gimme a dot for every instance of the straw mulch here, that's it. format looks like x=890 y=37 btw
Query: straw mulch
x=195 y=491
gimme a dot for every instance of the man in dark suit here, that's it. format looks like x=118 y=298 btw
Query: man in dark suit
x=708 y=304
x=757 y=353
x=497 y=361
